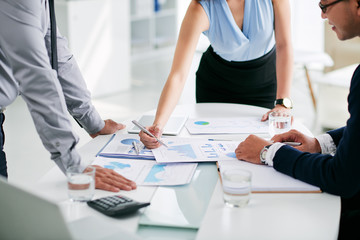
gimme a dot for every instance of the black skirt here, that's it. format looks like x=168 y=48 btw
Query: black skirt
x=250 y=82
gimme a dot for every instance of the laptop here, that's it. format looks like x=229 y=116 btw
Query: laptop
x=25 y=215
x=172 y=127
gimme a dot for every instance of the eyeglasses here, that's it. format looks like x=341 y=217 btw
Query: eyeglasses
x=324 y=7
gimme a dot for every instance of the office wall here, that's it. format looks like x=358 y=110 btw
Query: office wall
x=99 y=37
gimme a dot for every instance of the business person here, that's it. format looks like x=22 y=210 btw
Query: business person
x=330 y=161
x=25 y=70
x=249 y=60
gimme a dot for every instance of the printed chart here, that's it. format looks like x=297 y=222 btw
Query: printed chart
x=145 y=172
x=204 y=151
x=227 y=125
x=121 y=146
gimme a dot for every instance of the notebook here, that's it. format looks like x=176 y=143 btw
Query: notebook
x=172 y=127
x=25 y=215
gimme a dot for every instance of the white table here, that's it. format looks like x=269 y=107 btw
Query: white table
x=268 y=216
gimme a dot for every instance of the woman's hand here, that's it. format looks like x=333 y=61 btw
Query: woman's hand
x=149 y=141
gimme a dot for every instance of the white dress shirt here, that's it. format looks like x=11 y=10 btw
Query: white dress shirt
x=25 y=70
x=325 y=140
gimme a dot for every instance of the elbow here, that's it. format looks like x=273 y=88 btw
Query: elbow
x=284 y=47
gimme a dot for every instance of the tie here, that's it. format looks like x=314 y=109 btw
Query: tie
x=54 y=61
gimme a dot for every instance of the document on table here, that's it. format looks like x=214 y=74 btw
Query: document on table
x=199 y=150
x=251 y=125
x=121 y=146
x=267 y=179
x=150 y=173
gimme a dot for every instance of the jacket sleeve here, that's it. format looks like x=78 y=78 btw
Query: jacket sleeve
x=338 y=174
x=337 y=135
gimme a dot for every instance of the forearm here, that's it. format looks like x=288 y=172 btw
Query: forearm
x=169 y=98
x=284 y=69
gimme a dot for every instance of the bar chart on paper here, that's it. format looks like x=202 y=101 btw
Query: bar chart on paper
x=204 y=151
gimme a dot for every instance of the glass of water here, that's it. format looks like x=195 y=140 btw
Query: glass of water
x=81 y=185
x=279 y=122
x=236 y=185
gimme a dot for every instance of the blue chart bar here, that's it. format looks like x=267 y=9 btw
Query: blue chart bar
x=210 y=151
x=152 y=176
x=184 y=150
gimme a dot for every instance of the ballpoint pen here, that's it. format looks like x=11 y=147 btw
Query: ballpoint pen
x=136 y=147
x=292 y=143
x=147 y=132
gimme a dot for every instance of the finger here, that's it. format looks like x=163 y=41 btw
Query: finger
x=265 y=116
x=110 y=177
x=99 y=184
x=116 y=183
x=121 y=126
x=121 y=179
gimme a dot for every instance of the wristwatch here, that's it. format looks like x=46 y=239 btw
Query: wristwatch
x=286 y=102
x=263 y=153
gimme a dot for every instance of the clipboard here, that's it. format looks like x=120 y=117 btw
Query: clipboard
x=270 y=182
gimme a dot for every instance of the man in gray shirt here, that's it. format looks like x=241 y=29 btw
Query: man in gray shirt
x=25 y=70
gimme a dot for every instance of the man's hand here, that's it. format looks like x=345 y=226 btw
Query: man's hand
x=249 y=150
x=148 y=141
x=308 y=144
x=109 y=180
x=109 y=128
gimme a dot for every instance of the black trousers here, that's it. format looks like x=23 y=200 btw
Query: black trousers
x=251 y=82
x=3 y=167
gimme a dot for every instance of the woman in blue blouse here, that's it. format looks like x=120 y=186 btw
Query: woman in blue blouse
x=242 y=65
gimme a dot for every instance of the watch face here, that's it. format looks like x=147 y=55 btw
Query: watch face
x=287 y=102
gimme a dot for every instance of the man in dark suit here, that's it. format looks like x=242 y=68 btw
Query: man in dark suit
x=332 y=160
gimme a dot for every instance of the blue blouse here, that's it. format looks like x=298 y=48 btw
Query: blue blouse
x=228 y=41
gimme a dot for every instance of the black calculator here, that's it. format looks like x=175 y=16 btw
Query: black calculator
x=116 y=205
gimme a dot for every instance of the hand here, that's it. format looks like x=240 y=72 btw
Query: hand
x=308 y=144
x=249 y=150
x=277 y=108
x=109 y=128
x=109 y=180
x=149 y=141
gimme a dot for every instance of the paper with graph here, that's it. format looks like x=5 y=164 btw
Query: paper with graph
x=145 y=172
x=121 y=146
x=251 y=125
x=181 y=150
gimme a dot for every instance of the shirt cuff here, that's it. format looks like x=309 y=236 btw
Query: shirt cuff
x=71 y=159
x=327 y=144
x=92 y=122
x=271 y=153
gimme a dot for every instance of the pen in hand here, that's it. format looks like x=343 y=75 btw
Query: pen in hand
x=147 y=132
x=292 y=143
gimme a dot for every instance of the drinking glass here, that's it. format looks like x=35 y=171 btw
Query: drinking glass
x=236 y=185
x=81 y=185
x=279 y=122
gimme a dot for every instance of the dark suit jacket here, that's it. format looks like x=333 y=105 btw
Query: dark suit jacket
x=338 y=174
